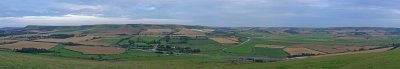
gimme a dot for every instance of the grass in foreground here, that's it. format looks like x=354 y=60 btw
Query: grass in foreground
x=383 y=60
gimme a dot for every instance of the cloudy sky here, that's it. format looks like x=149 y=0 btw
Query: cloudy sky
x=234 y=13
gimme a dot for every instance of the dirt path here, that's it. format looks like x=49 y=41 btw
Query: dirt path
x=358 y=52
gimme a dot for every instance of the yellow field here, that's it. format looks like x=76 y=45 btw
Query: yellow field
x=224 y=40
x=300 y=51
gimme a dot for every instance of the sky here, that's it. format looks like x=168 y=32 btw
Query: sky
x=222 y=13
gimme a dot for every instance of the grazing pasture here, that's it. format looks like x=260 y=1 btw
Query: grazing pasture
x=268 y=46
x=270 y=52
x=96 y=50
x=89 y=43
x=26 y=44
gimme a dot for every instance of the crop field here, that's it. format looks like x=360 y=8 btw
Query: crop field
x=326 y=39
x=268 y=46
x=300 y=51
x=90 y=43
x=189 y=32
x=96 y=50
x=224 y=40
x=109 y=41
x=26 y=44
x=155 y=31
x=270 y=52
x=72 y=39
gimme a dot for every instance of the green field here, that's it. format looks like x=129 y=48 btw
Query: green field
x=111 y=41
x=271 y=52
x=383 y=60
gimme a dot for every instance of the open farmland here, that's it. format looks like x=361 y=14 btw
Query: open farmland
x=155 y=32
x=26 y=44
x=268 y=46
x=325 y=49
x=357 y=52
x=96 y=50
x=270 y=52
x=336 y=49
x=72 y=39
x=300 y=51
x=224 y=40
x=90 y=43
x=189 y=32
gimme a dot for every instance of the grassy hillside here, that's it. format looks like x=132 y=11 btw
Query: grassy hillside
x=384 y=60
x=63 y=29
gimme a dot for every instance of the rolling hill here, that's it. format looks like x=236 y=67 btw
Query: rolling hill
x=383 y=60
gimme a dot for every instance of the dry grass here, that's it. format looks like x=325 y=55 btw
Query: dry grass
x=357 y=52
x=321 y=48
x=96 y=50
x=26 y=44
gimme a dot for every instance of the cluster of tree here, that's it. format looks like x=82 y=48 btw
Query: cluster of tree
x=358 y=33
x=301 y=55
x=33 y=50
x=172 y=49
x=4 y=33
x=61 y=36
x=291 y=31
x=176 y=40
x=2 y=43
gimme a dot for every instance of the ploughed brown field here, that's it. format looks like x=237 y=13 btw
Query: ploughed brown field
x=224 y=40
x=96 y=50
x=72 y=39
x=268 y=46
x=300 y=51
x=26 y=44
